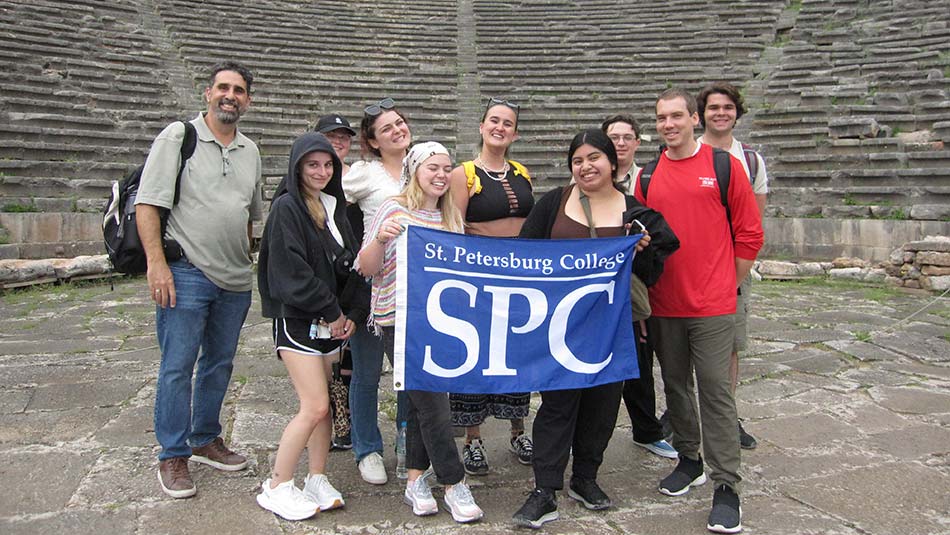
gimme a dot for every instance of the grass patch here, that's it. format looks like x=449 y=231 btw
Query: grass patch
x=15 y=207
x=862 y=336
x=240 y=379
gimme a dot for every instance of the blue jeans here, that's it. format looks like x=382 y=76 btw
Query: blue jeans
x=367 y=351
x=206 y=318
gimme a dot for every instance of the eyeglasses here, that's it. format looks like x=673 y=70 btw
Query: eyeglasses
x=627 y=138
x=497 y=101
x=375 y=109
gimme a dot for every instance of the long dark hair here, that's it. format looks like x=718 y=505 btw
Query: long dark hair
x=368 y=131
x=597 y=139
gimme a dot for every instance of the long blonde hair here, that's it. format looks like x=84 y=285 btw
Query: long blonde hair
x=315 y=206
x=413 y=198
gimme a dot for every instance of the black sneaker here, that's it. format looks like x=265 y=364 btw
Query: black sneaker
x=746 y=441
x=588 y=493
x=667 y=426
x=726 y=514
x=522 y=446
x=688 y=473
x=540 y=507
x=342 y=442
x=473 y=458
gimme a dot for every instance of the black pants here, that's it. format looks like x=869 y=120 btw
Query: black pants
x=582 y=419
x=429 y=436
x=639 y=395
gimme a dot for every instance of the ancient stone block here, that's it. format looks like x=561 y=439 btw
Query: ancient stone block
x=846 y=211
x=910 y=271
x=933 y=258
x=934 y=270
x=942 y=131
x=894 y=281
x=930 y=211
x=937 y=284
x=24 y=270
x=775 y=268
x=847 y=262
x=853 y=127
x=875 y=275
x=854 y=273
x=929 y=243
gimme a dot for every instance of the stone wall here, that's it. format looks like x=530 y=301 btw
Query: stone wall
x=848 y=99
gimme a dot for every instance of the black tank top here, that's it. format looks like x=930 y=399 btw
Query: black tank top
x=509 y=197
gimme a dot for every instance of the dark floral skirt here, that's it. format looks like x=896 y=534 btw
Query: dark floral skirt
x=472 y=409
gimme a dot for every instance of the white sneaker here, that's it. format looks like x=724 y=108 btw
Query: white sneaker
x=420 y=498
x=286 y=501
x=318 y=488
x=372 y=469
x=459 y=500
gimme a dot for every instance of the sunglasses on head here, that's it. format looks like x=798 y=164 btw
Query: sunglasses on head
x=497 y=101
x=375 y=109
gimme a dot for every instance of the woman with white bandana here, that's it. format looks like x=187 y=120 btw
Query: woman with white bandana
x=429 y=438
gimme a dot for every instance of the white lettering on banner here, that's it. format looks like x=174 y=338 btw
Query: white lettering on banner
x=498 y=333
x=445 y=324
x=558 y=330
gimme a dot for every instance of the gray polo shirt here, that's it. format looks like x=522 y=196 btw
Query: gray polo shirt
x=220 y=195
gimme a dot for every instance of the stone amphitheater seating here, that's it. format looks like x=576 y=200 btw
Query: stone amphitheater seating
x=88 y=85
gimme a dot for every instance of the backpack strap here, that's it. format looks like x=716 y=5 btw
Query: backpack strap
x=188 y=144
x=723 y=168
x=752 y=160
x=472 y=178
x=519 y=170
x=645 y=175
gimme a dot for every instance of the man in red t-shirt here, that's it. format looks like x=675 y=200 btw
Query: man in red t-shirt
x=695 y=300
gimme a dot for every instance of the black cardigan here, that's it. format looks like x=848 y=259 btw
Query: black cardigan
x=647 y=264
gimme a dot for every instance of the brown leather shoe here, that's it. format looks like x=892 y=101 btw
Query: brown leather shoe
x=216 y=455
x=175 y=479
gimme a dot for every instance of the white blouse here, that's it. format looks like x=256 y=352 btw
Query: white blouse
x=368 y=184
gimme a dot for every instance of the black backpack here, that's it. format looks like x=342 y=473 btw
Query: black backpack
x=118 y=225
x=723 y=169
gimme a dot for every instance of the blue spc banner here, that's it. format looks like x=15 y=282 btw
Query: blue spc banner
x=498 y=315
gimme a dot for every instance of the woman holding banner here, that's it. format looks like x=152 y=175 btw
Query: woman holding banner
x=581 y=420
x=494 y=193
x=429 y=439
x=385 y=135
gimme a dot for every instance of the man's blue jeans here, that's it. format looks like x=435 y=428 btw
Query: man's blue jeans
x=367 y=352
x=206 y=318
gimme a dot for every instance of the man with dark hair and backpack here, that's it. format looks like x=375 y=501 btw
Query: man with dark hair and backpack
x=720 y=106
x=201 y=298
x=694 y=301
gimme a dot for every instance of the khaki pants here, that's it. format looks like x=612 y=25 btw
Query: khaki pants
x=704 y=345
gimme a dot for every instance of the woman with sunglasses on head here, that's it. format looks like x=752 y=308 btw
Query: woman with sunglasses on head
x=495 y=195
x=577 y=422
x=309 y=288
x=384 y=133
x=429 y=438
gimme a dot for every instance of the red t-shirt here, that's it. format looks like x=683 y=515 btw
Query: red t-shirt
x=699 y=279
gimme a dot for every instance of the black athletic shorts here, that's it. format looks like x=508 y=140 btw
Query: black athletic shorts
x=293 y=334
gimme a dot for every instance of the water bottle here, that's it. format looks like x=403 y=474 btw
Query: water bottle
x=401 y=471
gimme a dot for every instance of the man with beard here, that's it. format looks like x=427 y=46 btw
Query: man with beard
x=200 y=280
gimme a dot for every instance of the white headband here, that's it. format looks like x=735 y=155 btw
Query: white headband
x=418 y=154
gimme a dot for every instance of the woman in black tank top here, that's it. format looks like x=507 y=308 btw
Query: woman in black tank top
x=495 y=201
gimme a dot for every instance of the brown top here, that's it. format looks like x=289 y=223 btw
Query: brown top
x=566 y=228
